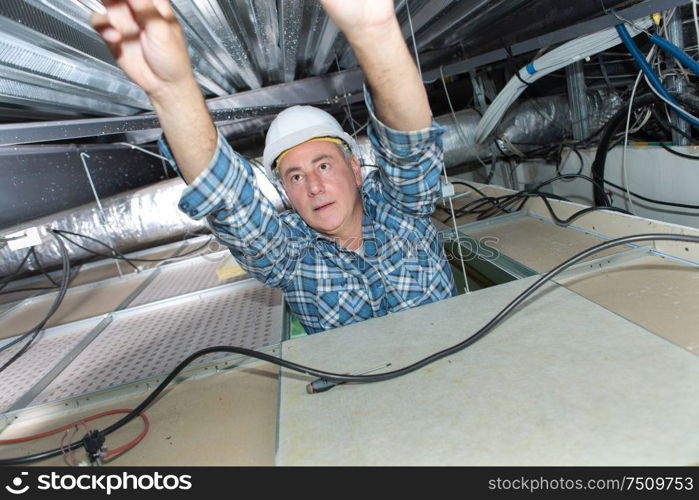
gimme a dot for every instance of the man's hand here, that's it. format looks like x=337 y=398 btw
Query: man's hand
x=146 y=41
x=356 y=16
x=373 y=32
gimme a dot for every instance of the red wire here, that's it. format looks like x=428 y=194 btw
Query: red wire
x=128 y=446
x=83 y=421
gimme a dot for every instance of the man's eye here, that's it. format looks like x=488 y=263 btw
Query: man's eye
x=324 y=166
x=295 y=178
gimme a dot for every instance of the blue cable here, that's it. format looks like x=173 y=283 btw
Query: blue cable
x=676 y=52
x=648 y=71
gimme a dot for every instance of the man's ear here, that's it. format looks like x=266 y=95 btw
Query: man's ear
x=356 y=169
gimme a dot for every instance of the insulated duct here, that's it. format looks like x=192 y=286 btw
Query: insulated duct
x=527 y=125
x=129 y=221
x=149 y=215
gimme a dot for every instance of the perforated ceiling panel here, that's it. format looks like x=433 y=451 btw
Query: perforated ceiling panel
x=179 y=279
x=153 y=340
x=47 y=350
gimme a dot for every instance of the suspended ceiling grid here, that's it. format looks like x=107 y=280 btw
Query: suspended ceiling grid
x=53 y=64
x=34 y=287
x=176 y=309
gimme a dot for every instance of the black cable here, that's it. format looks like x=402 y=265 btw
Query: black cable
x=560 y=160
x=11 y=276
x=474 y=188
x=502 y=203
x=41 y=268
x=505 y=207
x=34 y=332
x=479 y=202
x=579 y=213
x=645 y=198
x=598 y=165
x=567 y=176
x=115 y=255
x=120 y=255
x=564 y=222
x=668 y=126
x=379 y=377
x=678 y=153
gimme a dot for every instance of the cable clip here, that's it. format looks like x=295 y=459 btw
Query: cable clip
x=324 y=384
x=93 y=442
x=447 y=189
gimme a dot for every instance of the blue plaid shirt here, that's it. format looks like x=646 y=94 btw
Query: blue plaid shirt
x=326 y=285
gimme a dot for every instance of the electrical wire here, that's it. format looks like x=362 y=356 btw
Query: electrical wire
x=412 y=33
x=503 y=203
x=121 y=256
x=376 y=377
x=34 y=332
x=115 y=255
x=108 y=454
x=7 y=279
x=446 y=181
x=554 y=60
x=41 y=268
x=654 y=82
x=651 y=200
x=678 y=153
x=598 y=165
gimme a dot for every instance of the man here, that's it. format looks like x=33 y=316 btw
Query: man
x=350 y=249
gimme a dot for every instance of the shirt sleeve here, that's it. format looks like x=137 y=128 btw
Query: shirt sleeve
x=227 y=194
x=410 y=163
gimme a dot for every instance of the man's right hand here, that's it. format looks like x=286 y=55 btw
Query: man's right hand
x=146 y=41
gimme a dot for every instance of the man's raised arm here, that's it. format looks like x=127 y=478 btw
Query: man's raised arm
x=373 y=32
x=147 y=43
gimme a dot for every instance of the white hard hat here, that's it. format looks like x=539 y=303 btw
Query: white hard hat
x=296 y=125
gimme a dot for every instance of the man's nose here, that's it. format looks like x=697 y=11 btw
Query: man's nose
x=315 y=185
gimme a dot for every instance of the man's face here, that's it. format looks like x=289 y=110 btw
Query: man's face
x=322 y=186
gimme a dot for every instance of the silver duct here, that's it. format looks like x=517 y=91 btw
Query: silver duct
x=128 y=221
x=527 y=125
x=148 y=215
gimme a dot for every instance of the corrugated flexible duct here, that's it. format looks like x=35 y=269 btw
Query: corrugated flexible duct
x=148 y=215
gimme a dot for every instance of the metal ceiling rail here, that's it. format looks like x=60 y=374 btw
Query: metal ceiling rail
x=259 y=102
x=212 y=39
x=562 y=35
x=465 y=14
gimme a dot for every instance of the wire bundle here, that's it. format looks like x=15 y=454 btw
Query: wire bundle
x=653 y=81
x=558 y=58
x=489 y=206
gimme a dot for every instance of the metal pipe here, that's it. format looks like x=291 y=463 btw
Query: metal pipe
x=677 y=83
x=575 y=77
